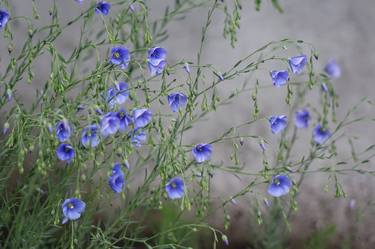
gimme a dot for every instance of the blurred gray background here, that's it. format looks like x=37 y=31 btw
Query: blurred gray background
x=339 y=29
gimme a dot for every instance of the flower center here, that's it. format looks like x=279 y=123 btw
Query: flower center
x=116 y=55
x=174 y=185
x=66 y=149
x=70 y=206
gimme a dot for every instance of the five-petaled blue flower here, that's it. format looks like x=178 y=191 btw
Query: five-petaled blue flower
x=65 y=152
x=297 y=63
x=278 y=123
x=90 y=136
x=117 y=179
x=63 y=131
x=156 y=60
x=333 y=69
x=202 y=152
x=125 y=119
x=175 y=188
x=120 y=56
x=103 y=8
x=141 y=117
x=117 y=94
x=279 y=78
x=72 y=209
x=137 y=137
x=176 y=100
x=302 y=118
x=279 y=186
x=109 y=124
x=4 y=18
x=321 y=134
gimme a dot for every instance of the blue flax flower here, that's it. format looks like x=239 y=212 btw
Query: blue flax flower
x=176 y=100
x=117 y=179
x=117 y=94
x=90 y=136
x=4 y=18
x=109 y=124
x=156 y=60
x=72 y=209
x=321 y=134
x=141 y=117
x=279 y=186
x=63 y=131
x=125 y=119
x=278 y=123
x=120 y=56
x=202 y=152
x=137 y=137
x=333 y=69
x=279 y=78
x=103 y=8
x=65 y=152
x=302 y=118
x=297 y=63
x=175 y=188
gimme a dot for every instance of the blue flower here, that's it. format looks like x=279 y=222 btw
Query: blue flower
x=279 y=186
x=333 y=69
x=103 y=8
x=63 y=131
x=302 y=118
x=187 y=67
x=117 y=179
x=320 y=134
x=176 y=100
x=297 y=63
x=175 y=188
x=156 y=60
x=141 y=117
x=278 y=123
x=90 y=136
x=125 y=119
x=279 y=78
x=120 y=56
x=4 y=18
x=137 y=137
x=65 y=152
x=202 y=152
x=109 y=124
x=118 y=94
x=72 y=209
x=324 y=87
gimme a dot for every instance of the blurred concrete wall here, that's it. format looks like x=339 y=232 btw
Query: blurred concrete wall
x=340 y=29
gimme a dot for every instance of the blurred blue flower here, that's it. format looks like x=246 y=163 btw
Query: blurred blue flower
x=9 y=95
x=302 y=118
x=137 y=137
x=279 y=78
x=324 y=87
x=6 y=128
x=117 y=94
x=141 y=117
x=72 y=209
x=297 y=63
x=279 y=186
x=63 y=131
x=175 y=188
x=120 y=56
x=333 y=69
x=109 y=124
x=176 y=100
x=117 y=179
x=90 y=136
x=4 y=18
x=202 y=152
x=125 y=119
x=103 y=8
x=156 y=60
x=320 y=134
x=278 y=123
x=65 y=152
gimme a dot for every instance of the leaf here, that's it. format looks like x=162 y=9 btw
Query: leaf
x=277 y=6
